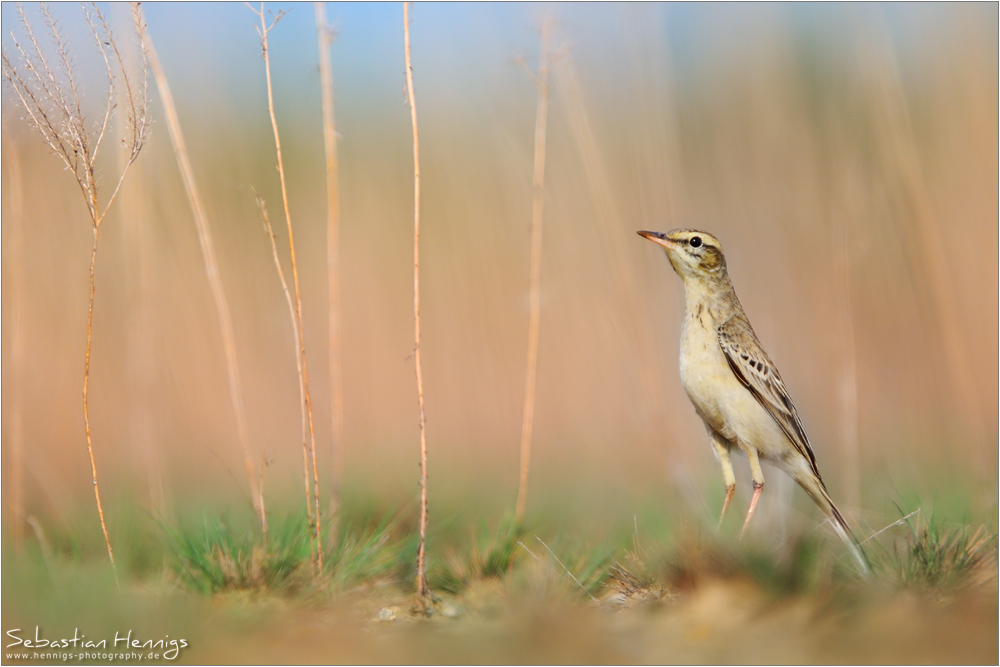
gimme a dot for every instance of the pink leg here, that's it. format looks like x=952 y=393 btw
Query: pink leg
x=730 y=490
x=757 y=488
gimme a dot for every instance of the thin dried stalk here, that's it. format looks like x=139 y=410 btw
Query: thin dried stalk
x=298 y=364
x=325 y=37
x=421 y=584
x=43 y=541
x=534 y=289
x=50 y=96
x=567 y=570
x=16 y=442
x=86 y=408
x=212 y=271
x=260 y=488
x=849 y=379
x=262 y=31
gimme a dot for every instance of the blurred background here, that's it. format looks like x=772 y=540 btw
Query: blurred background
x=845 y=155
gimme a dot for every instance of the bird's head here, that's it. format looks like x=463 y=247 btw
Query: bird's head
x=692 y=253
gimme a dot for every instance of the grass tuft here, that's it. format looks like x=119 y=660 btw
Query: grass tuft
x=221 y=557
x=939 y=557
x=377 y=549
x=368 y=556
x=486 y=555
x=806 y=566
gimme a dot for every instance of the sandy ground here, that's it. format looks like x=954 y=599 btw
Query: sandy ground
x=721 y=622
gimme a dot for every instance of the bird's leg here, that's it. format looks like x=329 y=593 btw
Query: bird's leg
x=758 y=486
x=722 y=447
x=730 y=491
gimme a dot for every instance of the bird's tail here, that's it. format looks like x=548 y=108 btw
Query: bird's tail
x=814 y=486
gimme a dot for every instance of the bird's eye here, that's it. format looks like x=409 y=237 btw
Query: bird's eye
x=695 y=241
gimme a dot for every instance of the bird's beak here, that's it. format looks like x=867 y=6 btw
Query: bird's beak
x=658 y=237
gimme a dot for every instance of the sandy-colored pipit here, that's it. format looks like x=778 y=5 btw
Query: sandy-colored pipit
x=734 y=386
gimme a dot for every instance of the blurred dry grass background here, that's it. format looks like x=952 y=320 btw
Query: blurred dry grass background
x=846 y=156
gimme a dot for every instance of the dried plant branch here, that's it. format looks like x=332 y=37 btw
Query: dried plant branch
x=110 y=74
x=897 y=522
x=298 y=363
x=137 y=116
x=325 y=36
x=262 y=31
x=58 y=116
x=49 y=111
x=211 y=269
x=139 y=25
x=75 y=112
x=530 y=552
x=534 y=289
x=566 y=569
x=33 y=105
x=421 y=584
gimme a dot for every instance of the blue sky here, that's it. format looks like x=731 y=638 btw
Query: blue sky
x=474 y=40
x=464 y=51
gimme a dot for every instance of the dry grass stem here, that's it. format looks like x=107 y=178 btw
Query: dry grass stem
x=634 y=589
x=48 y=91
x=534 y=289
x=260 y=489
x=849 y=380
x=43 y=541
x=421 y=583
x=325 y=37
x=298 y=362
x=530 y=552
x=15 y=242
x=263 y=31
x=898 y=522
x=566 y=569
x=211 y=271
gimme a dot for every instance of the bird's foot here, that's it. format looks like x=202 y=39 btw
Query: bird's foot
x=757 y=488
x=730 y=491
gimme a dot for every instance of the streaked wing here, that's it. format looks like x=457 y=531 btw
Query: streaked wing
x=755 y=371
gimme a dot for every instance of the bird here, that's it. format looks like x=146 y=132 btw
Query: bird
x=733 y=384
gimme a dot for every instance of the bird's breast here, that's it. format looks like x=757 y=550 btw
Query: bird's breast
x=718 y=395
x=705 y=373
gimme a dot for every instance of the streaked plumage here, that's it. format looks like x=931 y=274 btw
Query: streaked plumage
x=733 y=384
